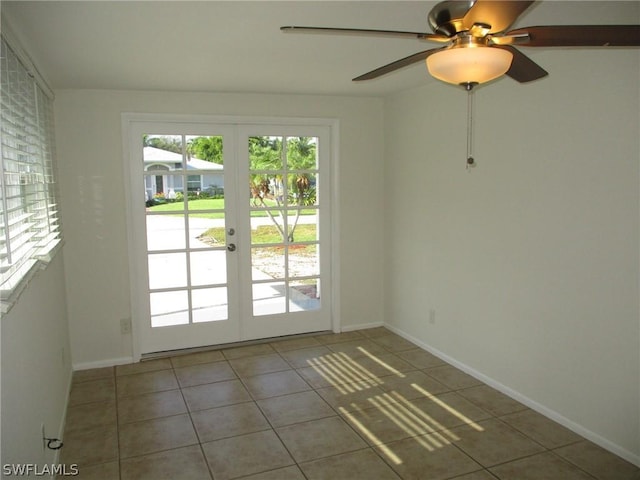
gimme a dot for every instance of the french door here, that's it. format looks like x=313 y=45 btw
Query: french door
x=229 y=231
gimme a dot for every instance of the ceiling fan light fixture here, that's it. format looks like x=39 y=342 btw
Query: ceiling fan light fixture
x=470 y=63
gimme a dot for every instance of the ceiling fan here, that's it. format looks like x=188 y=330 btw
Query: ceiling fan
x=478 y=45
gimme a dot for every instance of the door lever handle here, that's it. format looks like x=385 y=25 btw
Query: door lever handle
x=231 y=247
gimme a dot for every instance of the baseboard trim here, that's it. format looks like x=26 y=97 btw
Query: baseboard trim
x=547 y=412
x=361 y=326
x=109 y=362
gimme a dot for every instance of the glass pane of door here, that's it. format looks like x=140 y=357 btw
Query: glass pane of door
x=284 y=212
x=185 y=229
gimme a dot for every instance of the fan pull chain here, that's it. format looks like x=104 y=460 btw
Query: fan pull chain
x=470 y=160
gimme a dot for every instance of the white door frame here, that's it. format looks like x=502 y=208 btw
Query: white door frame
x=134 y=197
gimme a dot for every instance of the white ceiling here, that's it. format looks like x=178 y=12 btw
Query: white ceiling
x=236 y=46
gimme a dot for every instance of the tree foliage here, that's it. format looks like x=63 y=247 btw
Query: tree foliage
x=207 y=148
x=171 y=144
x=268 y=162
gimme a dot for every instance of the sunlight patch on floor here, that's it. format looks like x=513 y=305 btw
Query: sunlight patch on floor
x=448 y=408
x=371 y=437
x=380 y=362
x=344 y=374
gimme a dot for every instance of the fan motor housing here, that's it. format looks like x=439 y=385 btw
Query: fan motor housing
x=446 y=17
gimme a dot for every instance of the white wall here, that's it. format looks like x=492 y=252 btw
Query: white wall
x=92 y=186
x=530 y=262
x=36 y=367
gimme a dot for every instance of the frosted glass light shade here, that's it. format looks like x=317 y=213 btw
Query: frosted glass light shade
x=470 y=64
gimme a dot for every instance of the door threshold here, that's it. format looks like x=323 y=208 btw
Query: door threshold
x=223 y=346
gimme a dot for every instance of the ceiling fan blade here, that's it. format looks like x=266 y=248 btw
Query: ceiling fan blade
x=522 y=69
x=580 y=36
x=499 y=14
x=365 y=32
x=398 y=64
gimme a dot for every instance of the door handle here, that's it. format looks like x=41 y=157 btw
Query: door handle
x=231 y=247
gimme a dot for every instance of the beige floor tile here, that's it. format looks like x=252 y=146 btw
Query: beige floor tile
x=354 y=396
x=259 y=365
x=545 y=465
x=445 y=411
x=386 y=424
x=420 y=358
x=137 y=384
x=381 y=365
x=102 y=471
x=90 y=446
x=151 y=436
x=411 y=385
x=295 y=344
x=374 y=332
x=247 y=351
x=219 y=394
x=332 y=374
x=394 y=343
x=541 y=429
x=204 y=373
x=185 y=463
x=246 y=455
x=150 y=405
x=357 y=348
x=275 y=384
x=452 y=377
x=495 y=443
x=480 y=475
x=331 y=338
x=598 y=462
x=229 y=421
x=362 y=404
x=427 y=457
x=306 y=357
x=360 y=465
x=344 y=369
x=143 y=367
x=320 y=438
x=286 y=473
x=491 y=400
x=92 y=374
x=102 y=390
x=295 y=408
x=90 y=415
x=197 y=358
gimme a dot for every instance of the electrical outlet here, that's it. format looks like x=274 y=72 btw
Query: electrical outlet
x=432 y=316
x=125 y=326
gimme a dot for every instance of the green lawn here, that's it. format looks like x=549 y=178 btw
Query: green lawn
x=264 y=234
x=207 y=204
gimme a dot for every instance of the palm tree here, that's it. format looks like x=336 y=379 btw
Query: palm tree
x=282 y=176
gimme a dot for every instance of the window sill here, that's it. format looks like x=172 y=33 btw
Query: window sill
x=11 y=290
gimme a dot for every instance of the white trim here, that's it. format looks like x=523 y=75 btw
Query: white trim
x=336 y=319
x=361 y=326
x=547 y=412
x=109 y=362
x=128 y=122
x=9 y=296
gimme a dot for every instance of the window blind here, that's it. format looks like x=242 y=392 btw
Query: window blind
x=29 y=224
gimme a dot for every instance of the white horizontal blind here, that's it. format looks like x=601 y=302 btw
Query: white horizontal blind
x=29 y=226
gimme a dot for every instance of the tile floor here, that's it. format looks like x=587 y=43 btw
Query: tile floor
x=359 y=405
